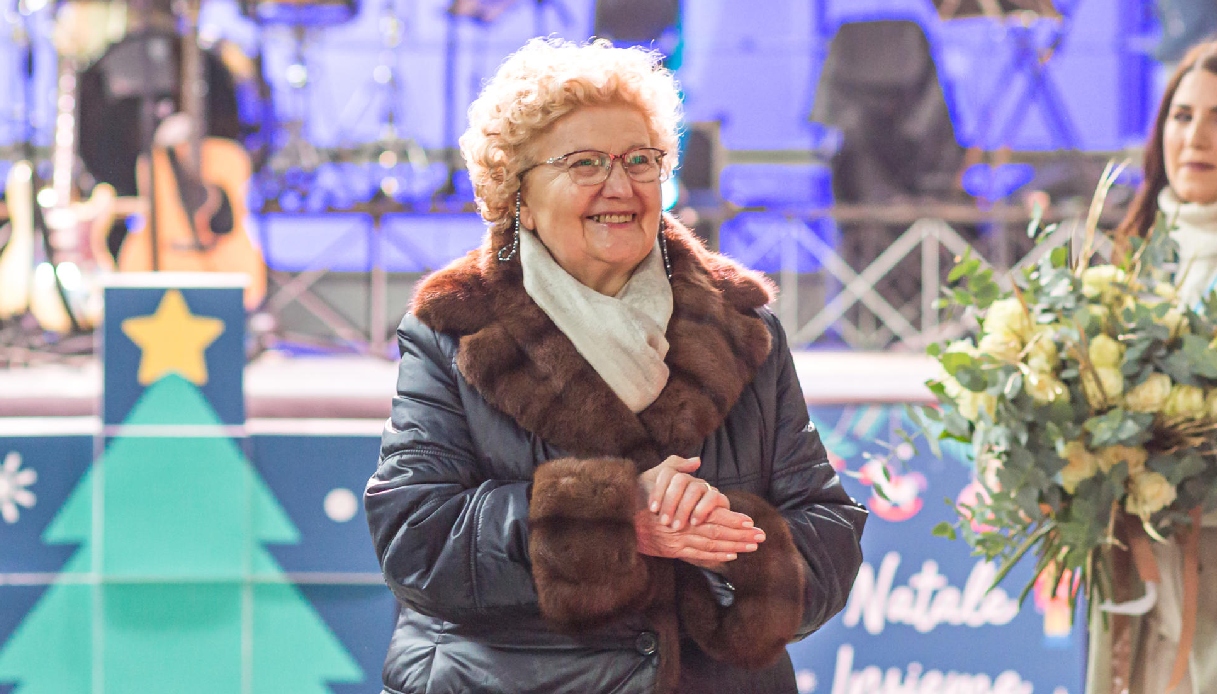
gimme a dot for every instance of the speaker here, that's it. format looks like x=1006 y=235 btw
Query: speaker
x=701 y=161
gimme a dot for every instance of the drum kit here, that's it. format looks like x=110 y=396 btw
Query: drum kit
x=300 y=12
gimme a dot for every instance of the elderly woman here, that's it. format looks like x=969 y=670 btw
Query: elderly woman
x=1180 y=165
x=599 y=475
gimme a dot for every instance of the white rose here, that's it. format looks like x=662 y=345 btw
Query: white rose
x=1040 y=364
x=1082 y=466
x=1007 y=316
x=1112 y=456
x=1185 y=401
x=1045 y=388
x=1148 y=493
x=1099 y=314
x=1166 y=291
x=1002 y=346
x=1104 y=351
x=950 y=385
x=1097 y=280
x=1041 y=349
x=1174 y=322
x=1102 y=381
x=1149 y=395
x=1126 y=303
x=972 y=403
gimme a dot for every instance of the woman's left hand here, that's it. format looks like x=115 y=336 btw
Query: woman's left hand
x=724 y=536
x=677 y=497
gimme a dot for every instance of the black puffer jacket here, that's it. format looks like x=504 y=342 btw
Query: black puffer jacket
x=501 y=508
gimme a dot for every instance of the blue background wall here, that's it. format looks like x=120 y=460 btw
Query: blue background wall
x=751 y=65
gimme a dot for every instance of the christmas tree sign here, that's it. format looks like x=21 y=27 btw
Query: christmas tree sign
x=171 y=588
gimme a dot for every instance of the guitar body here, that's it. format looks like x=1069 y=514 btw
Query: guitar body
x=78 y=237
x=185 y=241
x=17 y=260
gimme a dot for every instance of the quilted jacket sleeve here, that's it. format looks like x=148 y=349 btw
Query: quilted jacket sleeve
x=451 y=542
x=455 y=544
x=802 y=574
x=825 y=523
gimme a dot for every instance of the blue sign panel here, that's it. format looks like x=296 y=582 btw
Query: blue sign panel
x=920 y=617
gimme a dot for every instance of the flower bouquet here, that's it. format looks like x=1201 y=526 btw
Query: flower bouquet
x=1089 y=400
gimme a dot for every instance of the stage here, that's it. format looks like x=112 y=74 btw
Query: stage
x=356 y=387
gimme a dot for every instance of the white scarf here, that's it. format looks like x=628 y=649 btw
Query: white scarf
x=1196 y=234
x=622 y=337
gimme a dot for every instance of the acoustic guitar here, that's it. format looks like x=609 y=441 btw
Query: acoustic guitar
x=197 y=188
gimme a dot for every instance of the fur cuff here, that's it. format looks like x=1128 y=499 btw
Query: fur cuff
x=581 y=540
x=769 y=586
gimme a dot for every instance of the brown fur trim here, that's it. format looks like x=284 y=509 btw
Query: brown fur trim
x=517 y=359
x=581 y=541
x=661 y=613
x=769 y=587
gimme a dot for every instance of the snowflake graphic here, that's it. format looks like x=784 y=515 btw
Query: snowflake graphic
x=13 y=487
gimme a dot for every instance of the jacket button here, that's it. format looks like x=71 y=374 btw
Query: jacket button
x=646 y=643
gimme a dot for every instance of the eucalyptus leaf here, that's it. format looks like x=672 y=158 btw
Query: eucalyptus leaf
x=972 y=378
x=963 y=268
x=944 y=529
x=952 y=362
x=1178 y=367
x=1059 y=256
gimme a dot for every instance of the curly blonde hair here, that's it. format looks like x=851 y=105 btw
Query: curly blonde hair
x=544 y=81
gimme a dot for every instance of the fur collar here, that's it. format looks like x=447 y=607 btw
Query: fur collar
x=517 y=359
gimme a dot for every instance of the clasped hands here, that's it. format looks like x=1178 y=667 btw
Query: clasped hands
x=682 y=517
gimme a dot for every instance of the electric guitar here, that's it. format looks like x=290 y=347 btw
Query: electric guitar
x=57 y=280
x=66 y=292
x=62 y=294
x=198 y=192
x=17 y=260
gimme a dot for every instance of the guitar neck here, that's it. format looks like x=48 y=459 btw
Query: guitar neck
x=63 y=155
x=194 y=86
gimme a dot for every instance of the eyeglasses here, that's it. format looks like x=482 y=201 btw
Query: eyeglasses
x=590 y=167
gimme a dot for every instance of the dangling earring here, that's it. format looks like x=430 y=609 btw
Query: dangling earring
x=663 y=246
x=508 y=252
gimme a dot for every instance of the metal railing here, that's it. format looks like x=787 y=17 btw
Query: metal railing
x=848 y=309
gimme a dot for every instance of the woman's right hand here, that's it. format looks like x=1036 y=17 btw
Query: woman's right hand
x=724 y=535
x=671 y=491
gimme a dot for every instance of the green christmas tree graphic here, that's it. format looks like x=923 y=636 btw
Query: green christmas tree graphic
x=171 y=589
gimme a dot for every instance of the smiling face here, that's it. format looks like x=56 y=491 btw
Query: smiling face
x=599 y=233
x=1189 y=138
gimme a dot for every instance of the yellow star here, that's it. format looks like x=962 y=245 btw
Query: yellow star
x=173 y=340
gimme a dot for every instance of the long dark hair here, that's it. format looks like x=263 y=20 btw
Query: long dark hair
x=1144 y=208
